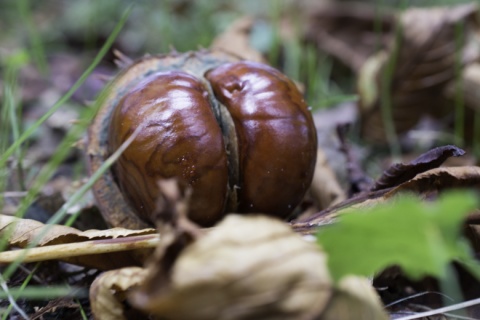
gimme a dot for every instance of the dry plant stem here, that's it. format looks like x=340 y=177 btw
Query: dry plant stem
x=62 y=251
x=457 y=306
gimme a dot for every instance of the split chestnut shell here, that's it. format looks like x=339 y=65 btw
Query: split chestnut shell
x=238 y=132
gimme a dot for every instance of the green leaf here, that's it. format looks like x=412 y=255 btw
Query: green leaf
x=420 y=237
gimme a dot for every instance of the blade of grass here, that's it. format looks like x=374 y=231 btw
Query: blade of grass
x=476 y=133
x=64 y=148
x=47 y=171
x=60 y=214
x=20 y=290
x=8 y=116
x=275 y=17
x=74 y=134
x=82 y=311
x=459 y=125
x=8 y=294
x=386 y=93
x=108 y=43
x=42 y=293
x=37 y=49
x=10 y=105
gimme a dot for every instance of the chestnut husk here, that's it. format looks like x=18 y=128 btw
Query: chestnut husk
x=239 y=133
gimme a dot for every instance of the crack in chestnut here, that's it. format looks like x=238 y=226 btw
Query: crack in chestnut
x=269 y=115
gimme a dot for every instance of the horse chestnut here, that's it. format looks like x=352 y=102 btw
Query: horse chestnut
x=238 y=132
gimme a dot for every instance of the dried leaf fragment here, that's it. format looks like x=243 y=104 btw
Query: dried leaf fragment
x=428 y=184
x=100 y=249
x=248 y=267
x=436 y=180
x=399 y=172
x=23 y=231
x=108 y=292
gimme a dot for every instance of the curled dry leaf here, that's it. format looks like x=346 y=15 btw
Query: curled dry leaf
x=236 y=40
x=101 y=249
x=420 y=63
x=399 y=172
x=431 y=182
x=247 y=267
x=426 y=185
x=23 y=231
x=109 y=291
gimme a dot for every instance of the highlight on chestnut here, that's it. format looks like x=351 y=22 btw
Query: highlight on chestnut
x=238 y=132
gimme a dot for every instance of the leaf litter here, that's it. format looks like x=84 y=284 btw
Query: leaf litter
x=421 y=85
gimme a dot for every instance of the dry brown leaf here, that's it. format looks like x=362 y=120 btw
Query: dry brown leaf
x=432 y=182
x=399 y=172
x=248 y=267
x=425 y=185
x=423 y=59
x=120 y=247
x=23 y=231
x=236 y=40
x=109 y=291
x=349 y=31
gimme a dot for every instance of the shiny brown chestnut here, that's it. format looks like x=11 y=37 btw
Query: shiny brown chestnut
x=238 y=132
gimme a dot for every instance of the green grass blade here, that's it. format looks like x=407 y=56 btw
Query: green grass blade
x=108 y=43
x=37 y=48
x=60 y=214
x=20 y=290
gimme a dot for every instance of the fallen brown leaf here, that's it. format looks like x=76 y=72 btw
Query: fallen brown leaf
x=425 y=185
x=399 y=172
x=351 y=32
x=247 y=267
x=120 y=247
x=430 y=183
x=422 y=59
